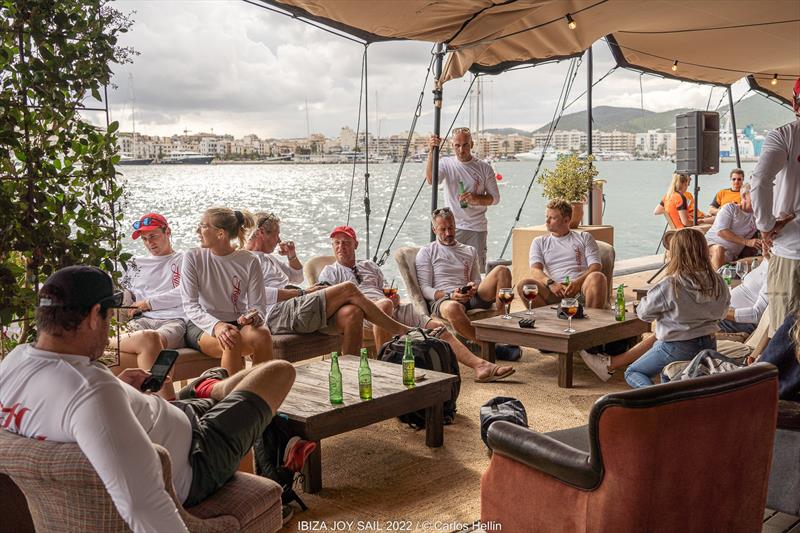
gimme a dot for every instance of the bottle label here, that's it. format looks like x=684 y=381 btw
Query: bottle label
x=408 y=372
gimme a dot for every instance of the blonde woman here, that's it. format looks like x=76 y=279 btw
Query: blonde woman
x=687 y=306
x=221 y=285
x=678 y=203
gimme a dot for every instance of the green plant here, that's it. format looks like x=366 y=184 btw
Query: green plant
x=59 y=198
x=570 y=179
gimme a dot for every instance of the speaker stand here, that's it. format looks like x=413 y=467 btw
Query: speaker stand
x=696 y=193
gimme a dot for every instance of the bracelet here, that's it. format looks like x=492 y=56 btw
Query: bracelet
x=292 y=258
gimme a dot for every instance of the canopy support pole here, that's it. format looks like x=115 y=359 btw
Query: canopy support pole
x=733 y=126
x=437 y=126
x=589 y=76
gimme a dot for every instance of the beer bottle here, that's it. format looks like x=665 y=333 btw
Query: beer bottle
x=566 y=282
x=619 y=314
x=364 y=377
x=462 y=190
x=335 y=380
x=408 y=364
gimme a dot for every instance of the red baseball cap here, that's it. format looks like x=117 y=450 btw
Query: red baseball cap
x=345 y=230
x=148 y=222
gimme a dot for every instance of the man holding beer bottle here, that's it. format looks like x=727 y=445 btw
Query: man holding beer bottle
x=469 y=187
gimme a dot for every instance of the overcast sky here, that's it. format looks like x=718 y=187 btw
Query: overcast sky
x=239 y=69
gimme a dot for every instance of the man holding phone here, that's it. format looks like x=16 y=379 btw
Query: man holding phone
x=60 y=392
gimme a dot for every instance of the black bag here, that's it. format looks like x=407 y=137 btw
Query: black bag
x=501 y=408
x=269 y=450
x=430 y=353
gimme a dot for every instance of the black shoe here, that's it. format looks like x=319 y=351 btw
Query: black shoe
x=286 y=513
x=190 y=390
x=507 y=352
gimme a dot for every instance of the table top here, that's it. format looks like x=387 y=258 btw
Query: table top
x=309 y=407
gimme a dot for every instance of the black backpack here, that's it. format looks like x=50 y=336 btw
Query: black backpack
x=430 y=353
x=268 y=451
x=501 y=408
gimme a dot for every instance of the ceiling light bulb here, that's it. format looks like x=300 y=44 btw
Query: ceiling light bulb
x=774 y=80
x=571 y=22
x=675 y=66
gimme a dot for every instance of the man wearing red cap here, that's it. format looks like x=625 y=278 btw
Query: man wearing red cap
x=775 y=190
x=154 y=281
x=294 y=310
x=369 y=278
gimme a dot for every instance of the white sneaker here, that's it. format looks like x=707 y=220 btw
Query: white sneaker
x=598 y=363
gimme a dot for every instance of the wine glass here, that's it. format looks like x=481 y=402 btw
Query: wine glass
x=389 y=290
x=506 y=296
x=742 y=269
x=727 y=275
x=570 y=306
x=530 y=291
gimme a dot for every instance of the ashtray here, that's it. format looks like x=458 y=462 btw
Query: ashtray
x=527 y=322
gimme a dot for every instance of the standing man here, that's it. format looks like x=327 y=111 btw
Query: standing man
x=775 y=188
x=469 y=187
x=369 y=278
x=731 y=195
x=732 y=231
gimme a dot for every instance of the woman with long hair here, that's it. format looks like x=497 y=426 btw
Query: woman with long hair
x=678 y=203
x=687 y=306
x=222 y=287
x=783 y=351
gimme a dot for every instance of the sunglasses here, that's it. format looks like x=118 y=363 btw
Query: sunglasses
x=456 y=131
x=441 y=211
x=357 y=274
x=269 y=217
x=147 y=221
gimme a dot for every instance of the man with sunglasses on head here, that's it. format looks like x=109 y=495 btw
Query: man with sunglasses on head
x=159 y=321
x=733 y=195
x=291 y=309
x=469 y=187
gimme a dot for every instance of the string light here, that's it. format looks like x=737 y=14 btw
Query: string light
x=675 y=66
x=774 y=80
x=571 y=22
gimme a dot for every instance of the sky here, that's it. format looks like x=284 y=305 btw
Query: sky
x=231 y=67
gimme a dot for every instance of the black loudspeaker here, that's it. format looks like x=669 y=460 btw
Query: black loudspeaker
x=697 y=142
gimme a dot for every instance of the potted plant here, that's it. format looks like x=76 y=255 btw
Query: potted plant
x=569 y=180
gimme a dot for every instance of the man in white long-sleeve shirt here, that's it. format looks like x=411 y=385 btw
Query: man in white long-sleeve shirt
x=56 y=390
x=154 y=282
x=296 y=310
x=775 y=189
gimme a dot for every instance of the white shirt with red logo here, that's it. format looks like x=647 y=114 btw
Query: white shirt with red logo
x=220 y=288
x=157 y=279
x=445 y=268
x=478 y=178
x=69 y=398
x=277 y=274
x=570 y=255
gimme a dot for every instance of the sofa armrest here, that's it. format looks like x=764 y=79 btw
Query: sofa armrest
x=545 y=454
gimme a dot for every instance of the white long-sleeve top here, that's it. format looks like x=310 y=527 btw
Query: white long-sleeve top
x=478 y=178
x=69 y=398
x=775 y=187
x=157 y=279
x=445 y=268
x=749 y=300
x=220 y=288
x=277 y=274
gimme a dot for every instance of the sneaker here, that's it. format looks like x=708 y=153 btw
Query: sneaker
x=190 y=390
x=287 y=512
x=297 y=451
x=598 y=363
x=507 y=352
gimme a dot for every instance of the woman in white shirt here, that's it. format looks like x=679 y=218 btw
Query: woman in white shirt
x=221 y=286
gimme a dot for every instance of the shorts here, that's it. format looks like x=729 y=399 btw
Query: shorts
x=476 y=239
x=783 y=290
x=475 y=302
x=172 y=330
x=222 y=433
x=407 y=315
x=304 y=314
x=194 y=332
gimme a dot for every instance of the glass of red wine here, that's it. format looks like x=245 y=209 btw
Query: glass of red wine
x=506 y=296
x=530 y=291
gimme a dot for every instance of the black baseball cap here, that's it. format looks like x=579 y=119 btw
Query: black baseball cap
x=79 y=287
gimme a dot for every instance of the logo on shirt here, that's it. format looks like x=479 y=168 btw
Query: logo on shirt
x=467 y=271
x=237 y=290
x=13 y=413
x=176 y=275
x=579 y=255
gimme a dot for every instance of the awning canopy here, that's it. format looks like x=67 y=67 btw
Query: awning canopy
x=713 y=41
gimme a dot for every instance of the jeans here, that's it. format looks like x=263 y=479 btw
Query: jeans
x=663 y=353
x=731 y=326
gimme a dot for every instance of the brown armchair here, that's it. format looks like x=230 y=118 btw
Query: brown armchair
x=673 y=457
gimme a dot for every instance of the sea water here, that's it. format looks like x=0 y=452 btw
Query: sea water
x=311 y=199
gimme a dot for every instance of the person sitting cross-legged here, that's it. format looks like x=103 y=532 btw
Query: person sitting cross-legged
x=445 y=267
x=563 y=253
x=732 y=231
x=368 y=277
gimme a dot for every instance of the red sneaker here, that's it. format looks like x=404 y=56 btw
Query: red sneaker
x=297 y=451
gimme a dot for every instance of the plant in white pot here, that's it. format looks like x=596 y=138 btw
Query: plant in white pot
x=570 y=180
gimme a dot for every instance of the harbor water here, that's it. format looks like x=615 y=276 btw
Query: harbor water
x=312 y=199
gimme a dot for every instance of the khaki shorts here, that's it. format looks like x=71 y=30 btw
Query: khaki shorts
x=476 y=239
x=783 y=290
x=171 y=329
x=304 y=314
x=407 y=315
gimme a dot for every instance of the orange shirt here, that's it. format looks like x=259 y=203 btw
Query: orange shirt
x=680 y=202
x=726 y=196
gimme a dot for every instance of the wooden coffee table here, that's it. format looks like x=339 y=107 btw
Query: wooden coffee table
x=313 y=417
x=548 y=334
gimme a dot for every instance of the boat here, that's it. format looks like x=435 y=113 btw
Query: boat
x=128 y=160
x=550 y=154
x=186 y=158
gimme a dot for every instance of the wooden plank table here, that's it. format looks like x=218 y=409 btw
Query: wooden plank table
x=313 y=417
x=548 y=334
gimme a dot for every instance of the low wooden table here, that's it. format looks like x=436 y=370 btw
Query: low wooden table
x=313 y=417
x=548 y=334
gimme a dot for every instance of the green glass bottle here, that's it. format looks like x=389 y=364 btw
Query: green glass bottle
x=619 y=313
x=462 y=190
x=566 y=282
x=335 y=380
x=408 y=363
x=364 y=377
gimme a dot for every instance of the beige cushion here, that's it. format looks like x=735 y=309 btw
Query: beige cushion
x=313 y=267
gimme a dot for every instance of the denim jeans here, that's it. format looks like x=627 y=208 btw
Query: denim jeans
x=663 y=353
x=731 y=326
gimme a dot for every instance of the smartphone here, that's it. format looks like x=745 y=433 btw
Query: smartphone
x=465 y=289
x=159 y=371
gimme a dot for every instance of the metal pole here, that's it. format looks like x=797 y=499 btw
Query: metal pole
x=437 y=125
x=589 y=124
x=733 y=125
x=366 y=150
x=696 y=194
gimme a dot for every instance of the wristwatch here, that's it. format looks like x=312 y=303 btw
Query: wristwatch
x=301 y=292
x=549 y=281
